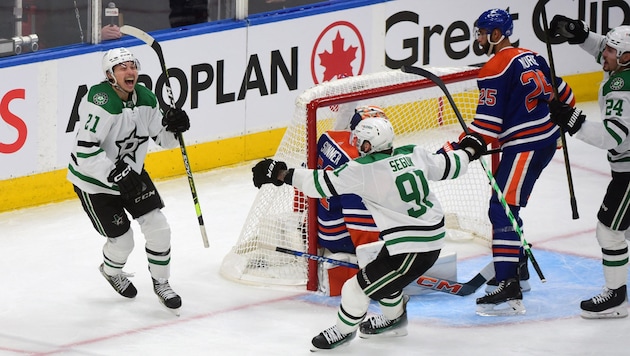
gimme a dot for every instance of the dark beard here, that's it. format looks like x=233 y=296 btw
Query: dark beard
x=486 y=48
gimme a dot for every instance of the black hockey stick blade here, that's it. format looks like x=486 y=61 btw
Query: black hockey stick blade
x=434 y=283
x=148 y=39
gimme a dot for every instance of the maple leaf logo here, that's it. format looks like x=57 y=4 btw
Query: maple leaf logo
x=338 y=62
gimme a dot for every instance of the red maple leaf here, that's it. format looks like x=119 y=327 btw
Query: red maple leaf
x=338 y=63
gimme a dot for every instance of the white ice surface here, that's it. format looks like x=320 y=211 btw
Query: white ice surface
x=55 y=302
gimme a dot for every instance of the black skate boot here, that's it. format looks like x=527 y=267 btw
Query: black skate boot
x=120 y=283
x=611 y=303
x=331 y=338
x=167 y=296
x=523 y=277
x=380 y=326
x=507 y=299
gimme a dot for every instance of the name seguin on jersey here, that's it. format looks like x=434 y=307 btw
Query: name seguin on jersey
x=401 y=163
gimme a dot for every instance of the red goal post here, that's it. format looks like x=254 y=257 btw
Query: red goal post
x=420 y=114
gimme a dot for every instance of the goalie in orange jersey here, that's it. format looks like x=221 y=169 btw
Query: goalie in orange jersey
x=343 y=221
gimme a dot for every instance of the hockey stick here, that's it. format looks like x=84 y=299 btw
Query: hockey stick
x=434 y=78
x=320 y=259
x=434 y=283
x=146 y=38
x=554 y=85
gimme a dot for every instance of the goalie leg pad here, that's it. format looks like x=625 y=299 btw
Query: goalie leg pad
x=445 y=268
x=332 y=277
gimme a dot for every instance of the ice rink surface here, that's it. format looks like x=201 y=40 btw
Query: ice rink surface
x=55 y=302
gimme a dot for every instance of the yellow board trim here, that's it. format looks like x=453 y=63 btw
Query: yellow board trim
x=50 y=187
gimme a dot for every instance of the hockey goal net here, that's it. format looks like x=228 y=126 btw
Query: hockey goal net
x=420 y=114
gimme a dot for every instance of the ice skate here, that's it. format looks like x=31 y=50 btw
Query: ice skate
x=380 y=326
x=121 y=284
x=330 y=339
x=167 y=296
x=611 y=303
x=523 y=277
x=506 y=300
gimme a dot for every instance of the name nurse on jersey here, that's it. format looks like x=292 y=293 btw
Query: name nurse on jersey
x=528 y=61
x=401 y=163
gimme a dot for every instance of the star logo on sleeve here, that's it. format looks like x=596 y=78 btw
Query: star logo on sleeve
x=130 y=144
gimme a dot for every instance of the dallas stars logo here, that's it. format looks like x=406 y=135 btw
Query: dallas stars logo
x=616 y=83
x=117 y=220
x=100 y=99
x=129 y=145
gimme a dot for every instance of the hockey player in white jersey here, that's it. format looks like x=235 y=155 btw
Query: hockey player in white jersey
x=393 y=184
x=612 y=133
x=118 y=119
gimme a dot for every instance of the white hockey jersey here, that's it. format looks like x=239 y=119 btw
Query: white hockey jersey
x=110 y=130
x=612 y=132
x=395 y=190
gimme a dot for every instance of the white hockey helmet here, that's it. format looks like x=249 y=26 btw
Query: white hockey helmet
x=378 y=131
x=116 y=56
x=619 y=39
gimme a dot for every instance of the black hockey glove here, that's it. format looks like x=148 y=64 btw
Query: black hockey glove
x=266 y=171
x=128 y=181
x=568 y=118
x=474 y=145
x=575 y=31
x=176 y=121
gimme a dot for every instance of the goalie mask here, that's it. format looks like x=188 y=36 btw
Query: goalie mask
x=117 y=56
x=377 y=131
x=619 y=39
x=364 y=112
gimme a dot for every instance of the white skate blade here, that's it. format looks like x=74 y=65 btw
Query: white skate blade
x=620 y=311
x=172 y=311
x=386 y=334
x=340 y=347
x=509 y=308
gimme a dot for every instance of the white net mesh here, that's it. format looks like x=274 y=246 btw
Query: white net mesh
x=420 y=115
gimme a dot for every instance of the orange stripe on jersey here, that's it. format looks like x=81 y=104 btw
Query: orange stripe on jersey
x=488 y=126
x=565 y=95
x=534 y=131
x=332 y=230
x=363 y=237
x=360 y=220
x=507 y=251
x=512 y=196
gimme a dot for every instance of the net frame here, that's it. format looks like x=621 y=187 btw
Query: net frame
x=317 y=110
